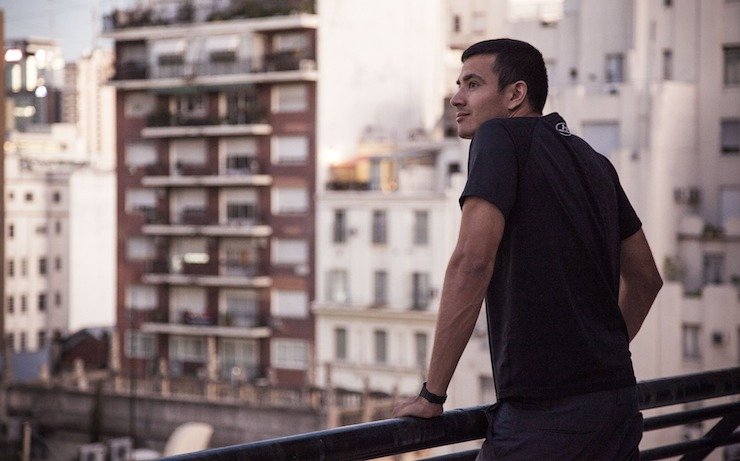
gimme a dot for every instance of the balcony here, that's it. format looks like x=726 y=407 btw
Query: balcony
x=185 y=12
x=195 y=216
x=228 y=277
x=273 y=67
x=162 y=124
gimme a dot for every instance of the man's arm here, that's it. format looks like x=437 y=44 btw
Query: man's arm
x=640 y=281
x=466 y=280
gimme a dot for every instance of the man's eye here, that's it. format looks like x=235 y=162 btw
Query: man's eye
x=472 y=84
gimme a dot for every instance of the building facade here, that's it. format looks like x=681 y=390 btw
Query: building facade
x=216 y=149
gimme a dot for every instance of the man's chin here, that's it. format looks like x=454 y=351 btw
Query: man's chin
x=465 y=134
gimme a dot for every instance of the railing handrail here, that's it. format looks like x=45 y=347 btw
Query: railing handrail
x=400 y=435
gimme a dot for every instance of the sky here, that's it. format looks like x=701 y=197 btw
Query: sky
x=75 y=24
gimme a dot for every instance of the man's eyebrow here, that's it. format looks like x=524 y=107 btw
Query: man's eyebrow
x=467 y=77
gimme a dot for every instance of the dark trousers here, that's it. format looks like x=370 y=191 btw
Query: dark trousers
x=605 y=425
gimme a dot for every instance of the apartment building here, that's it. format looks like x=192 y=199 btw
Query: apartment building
x=388 y=221
x=37 y=239
x=216 y=149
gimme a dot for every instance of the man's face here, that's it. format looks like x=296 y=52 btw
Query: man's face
x=478 y=98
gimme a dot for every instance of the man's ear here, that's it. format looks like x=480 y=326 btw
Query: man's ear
x=517 y=95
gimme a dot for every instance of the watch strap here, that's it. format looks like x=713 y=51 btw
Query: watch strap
x=431 y=398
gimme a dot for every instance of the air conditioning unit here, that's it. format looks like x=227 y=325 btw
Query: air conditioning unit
x=120 y=449
x=91 y=452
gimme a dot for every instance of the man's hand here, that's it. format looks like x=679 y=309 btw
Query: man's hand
x=418 y=407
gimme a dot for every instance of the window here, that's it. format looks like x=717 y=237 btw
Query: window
x=421 y=346
x=11 y=268
x=690 y=340
x=58 y=263
x=42 y=302
x=289 y=98
x=337 y=289
x=421 y=227
x=58 y=227
x=192 y=106
x=141 y=297
x=138 y=104
x=41 y=339
x=339 y=228
x=381 y=346
x=23 y=346
x=140 y=248
x=58 y=299
x=668 y=3
x=239 y=358
x=56 y=197
x=287 y=200
x=730 y=137
x=289 y=149
x=456 y=23
x=11 y=304
x=729 y=199
x=479 y=22
x=242 y=107
x=732 y=65
x=140 y=154
x=380 y=291
x=667 y=64
x=24 y=267
x=11 y=231
x=242 y=310
x=188 y=348
x=241 y=213
x=11 y=341
x=379 y=227
x=290 y=353
x=290 y=303
x=421 y=291
x=42 y=266
x=139 y=345
x=29 y=197
x=713 y=268
x=614 y=72
x=289 y=251
x=602 y=136
x=340 y=343
x=24 y=303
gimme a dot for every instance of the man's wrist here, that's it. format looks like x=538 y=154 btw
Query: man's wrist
x=431 y=397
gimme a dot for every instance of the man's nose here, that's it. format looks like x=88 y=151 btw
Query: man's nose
x=456 y=100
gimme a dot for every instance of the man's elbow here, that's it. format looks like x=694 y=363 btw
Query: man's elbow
x=472 y=264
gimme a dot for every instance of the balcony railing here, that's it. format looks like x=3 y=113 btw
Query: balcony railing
x=186 y=12
x=161 y=119
x=395 y=436
x=274 y=62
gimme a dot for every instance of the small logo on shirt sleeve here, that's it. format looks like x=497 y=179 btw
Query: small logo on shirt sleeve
x=563 y=129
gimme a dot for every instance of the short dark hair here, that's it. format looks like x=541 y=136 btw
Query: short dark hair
x=516 y=60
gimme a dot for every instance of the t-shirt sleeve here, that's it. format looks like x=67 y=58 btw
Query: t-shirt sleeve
x=492 y=167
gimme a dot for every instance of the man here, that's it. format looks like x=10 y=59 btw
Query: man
x=550 y=240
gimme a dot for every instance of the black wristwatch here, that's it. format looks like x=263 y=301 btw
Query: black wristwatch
x=431 y=398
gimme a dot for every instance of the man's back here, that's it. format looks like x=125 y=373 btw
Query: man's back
x=554 y=320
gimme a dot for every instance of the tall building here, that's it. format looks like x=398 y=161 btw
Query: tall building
x=216 y=160
x=33 y=82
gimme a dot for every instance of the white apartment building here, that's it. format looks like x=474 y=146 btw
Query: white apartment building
x=37 y=268
x=389 y=222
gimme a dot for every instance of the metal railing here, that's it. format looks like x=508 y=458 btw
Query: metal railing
x=400 y=435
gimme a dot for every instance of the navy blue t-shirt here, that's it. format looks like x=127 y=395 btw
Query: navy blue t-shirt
x=555 y=328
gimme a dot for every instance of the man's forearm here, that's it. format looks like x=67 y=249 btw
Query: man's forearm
x=462 y=294
x=635 y=301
